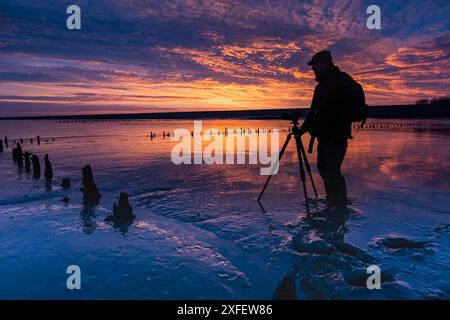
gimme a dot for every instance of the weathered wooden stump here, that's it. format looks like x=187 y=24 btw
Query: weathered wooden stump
x=91 y=195
x=19 y=155
x=122 y=211
x=48 y=170
x=26 y=156
x=14 y=154
x=36 y=166
x=123 y=208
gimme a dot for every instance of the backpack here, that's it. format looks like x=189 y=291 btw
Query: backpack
x=358 y=109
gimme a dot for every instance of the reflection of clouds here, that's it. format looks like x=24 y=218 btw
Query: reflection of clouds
x=393 y=169
x=415 y=159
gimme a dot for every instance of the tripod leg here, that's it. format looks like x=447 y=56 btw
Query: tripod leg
x=308 y=168
x=288 y=138
x=302 y=170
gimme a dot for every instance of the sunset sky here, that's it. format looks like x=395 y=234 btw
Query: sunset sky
x=158 y=56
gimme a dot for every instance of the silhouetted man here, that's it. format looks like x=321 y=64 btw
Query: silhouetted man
x=329 y=120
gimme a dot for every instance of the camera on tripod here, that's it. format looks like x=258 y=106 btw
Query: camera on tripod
x=295 y=132
x=292 y=116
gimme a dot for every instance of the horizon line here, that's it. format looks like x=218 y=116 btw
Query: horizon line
x=262 y=113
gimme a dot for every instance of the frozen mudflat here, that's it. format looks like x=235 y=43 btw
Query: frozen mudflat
x=200 y=233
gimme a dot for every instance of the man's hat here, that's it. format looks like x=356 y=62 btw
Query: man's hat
x=322 y=56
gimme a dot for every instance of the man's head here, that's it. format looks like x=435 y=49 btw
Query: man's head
x=321 y=63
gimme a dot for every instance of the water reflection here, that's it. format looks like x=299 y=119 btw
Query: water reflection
x=394 y=174
x=322 y=253
x=438 y=131
x=121 y=227
x=88 y=220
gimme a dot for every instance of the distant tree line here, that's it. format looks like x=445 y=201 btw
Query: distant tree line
x=434 y=101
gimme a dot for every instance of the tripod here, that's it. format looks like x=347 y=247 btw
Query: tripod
x=302 y=162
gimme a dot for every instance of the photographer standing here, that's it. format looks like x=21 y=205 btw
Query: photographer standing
x=336 y=97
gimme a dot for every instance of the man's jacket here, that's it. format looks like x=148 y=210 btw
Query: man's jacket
x=329 y=118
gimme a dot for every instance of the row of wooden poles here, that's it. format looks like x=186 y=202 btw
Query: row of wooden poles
x=4 y=143
x=241 y=131
x=31 y=161
x=389 y=125
x=122 y=211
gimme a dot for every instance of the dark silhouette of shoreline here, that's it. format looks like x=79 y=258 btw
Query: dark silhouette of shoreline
x=382 y=112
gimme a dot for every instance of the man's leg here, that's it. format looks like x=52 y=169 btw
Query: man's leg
x=322 y=160
x=335 y=156
x=329 y=160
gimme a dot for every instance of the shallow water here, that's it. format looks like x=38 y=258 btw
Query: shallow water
x=200 y=233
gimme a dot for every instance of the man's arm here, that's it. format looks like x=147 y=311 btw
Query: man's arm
x=310 y=118
x=308 y=122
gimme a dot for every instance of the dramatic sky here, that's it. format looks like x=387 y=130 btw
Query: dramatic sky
x=154 y=56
